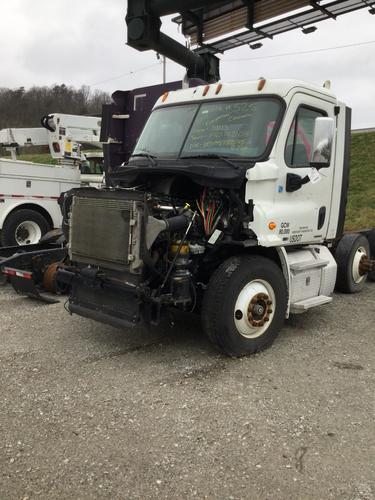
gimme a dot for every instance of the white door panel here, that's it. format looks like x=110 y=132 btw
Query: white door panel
x=296 y=214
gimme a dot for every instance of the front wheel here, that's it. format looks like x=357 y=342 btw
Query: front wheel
x=244 y=306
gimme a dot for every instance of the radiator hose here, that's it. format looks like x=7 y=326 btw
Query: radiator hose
x=179 y=222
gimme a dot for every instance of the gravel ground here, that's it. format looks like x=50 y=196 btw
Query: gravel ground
x=88 y=411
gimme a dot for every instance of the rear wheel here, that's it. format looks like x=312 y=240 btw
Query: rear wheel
x=24 y=227
x=350 y=252
x=244 y=306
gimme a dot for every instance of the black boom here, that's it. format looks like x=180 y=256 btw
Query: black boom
x=143 y=21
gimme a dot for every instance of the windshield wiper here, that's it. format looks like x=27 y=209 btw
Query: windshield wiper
x=213 y=156
x=151 y=158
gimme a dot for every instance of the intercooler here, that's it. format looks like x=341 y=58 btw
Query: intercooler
x=105 y=231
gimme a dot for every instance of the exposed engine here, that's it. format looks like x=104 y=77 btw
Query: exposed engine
x=163 y=239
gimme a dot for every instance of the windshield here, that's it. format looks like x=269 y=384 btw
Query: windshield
x=230 y=128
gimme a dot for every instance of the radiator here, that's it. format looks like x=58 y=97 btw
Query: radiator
x=105 y=232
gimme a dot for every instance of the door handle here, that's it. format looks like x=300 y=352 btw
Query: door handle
x=294 y=182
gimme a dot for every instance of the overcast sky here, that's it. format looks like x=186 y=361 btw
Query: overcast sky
x=78 y=42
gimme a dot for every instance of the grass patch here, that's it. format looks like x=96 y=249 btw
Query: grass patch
x=360 y=212
x=45 y=159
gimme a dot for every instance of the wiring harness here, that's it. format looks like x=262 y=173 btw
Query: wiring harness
x=210 y=207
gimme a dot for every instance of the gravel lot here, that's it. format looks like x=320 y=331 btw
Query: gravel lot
x=88 y=411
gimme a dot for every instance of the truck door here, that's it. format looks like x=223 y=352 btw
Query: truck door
x=303 y=215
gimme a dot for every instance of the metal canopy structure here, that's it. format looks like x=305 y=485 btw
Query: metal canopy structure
x=215 y=26
x=205 y=24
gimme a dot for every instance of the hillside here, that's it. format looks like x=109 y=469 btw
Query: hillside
x=361 y=204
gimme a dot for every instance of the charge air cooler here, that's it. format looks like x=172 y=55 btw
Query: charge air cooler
x=106 y=230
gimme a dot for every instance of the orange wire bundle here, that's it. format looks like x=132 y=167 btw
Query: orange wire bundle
x=209 y=211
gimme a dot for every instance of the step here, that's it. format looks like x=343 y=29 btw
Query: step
x=306 y=304
x=310 y=264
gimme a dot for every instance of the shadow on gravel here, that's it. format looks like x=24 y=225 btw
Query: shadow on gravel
x=185 y=335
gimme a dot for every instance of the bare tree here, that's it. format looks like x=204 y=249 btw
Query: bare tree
x=24 y=108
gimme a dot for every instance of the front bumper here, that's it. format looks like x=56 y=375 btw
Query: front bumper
x=113 y=303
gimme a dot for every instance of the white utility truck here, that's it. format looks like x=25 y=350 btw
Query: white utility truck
x=232 y=204
x=29 y=191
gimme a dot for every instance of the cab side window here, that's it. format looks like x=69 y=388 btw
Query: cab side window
x=301 y=136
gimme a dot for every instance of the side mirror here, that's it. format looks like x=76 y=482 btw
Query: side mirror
x=321 y=152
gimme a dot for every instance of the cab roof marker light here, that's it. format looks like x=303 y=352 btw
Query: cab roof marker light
x=262 y=83
x=205 y=91
x=165 y=96
x=218 y=89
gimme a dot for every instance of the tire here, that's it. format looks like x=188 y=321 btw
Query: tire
x=371 y=240
x=348 y=254
x=23 y=227
x=230 y=290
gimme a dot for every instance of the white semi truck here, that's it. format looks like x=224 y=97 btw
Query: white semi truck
x=232 y=204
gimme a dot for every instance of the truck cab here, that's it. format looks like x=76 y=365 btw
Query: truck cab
x=269 y=127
